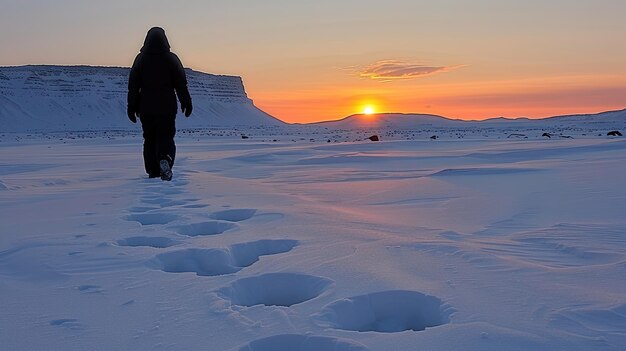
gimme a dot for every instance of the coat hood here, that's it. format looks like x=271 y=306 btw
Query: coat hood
x=156 y=41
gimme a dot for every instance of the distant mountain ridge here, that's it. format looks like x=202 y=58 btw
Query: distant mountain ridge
x=49 y=97
x=402 y=121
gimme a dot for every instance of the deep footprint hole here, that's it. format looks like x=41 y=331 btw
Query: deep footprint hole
x=387 y=312
x=294 y=342
x=203 y=262
x=212 y=262
x=275 y=289
x=150 y=241
x=205 y=228
x=152 y=218
x=234 y=215
x=245 y=254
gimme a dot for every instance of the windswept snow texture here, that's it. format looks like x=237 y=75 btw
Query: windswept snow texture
x=61 y=98
x=286 y=241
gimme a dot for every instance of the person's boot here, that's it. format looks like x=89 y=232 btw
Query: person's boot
x=166 y=168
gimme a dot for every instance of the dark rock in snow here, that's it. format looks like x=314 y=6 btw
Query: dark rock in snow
x=244 y=136
x=614 y=133
x=374 y=138
x=548 y=135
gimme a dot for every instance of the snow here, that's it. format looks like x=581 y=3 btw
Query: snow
x=479 y=242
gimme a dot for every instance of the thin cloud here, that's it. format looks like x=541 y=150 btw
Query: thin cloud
x=388 y=70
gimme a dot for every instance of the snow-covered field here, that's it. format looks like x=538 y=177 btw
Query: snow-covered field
x=256 y=245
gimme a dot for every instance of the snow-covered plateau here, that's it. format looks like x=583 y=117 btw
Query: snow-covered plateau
x=60 y=98
x=443 y=235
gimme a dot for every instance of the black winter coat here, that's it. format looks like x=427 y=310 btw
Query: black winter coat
x=156 y=74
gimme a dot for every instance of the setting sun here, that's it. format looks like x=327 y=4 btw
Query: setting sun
x=368 y=110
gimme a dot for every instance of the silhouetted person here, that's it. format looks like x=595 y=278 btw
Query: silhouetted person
x=156 y=78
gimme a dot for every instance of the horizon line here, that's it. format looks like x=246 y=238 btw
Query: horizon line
x=330 y=120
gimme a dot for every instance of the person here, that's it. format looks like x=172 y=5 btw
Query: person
x=156 y=78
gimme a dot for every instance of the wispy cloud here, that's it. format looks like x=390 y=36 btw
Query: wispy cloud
x=388 y=70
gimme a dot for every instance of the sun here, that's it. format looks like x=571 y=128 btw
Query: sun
x=368 y=110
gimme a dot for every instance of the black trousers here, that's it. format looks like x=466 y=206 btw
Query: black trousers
x=158 y=141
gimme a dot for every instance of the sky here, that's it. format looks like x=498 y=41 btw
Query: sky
x=305 y=61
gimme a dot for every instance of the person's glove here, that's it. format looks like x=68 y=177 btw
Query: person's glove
x=187 y=108
x=131 y=114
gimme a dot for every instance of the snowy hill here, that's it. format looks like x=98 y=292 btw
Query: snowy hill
x=49 y=98
x=389 y=120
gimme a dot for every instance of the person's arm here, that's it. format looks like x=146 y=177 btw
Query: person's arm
x=180 y=85
x=134 y=86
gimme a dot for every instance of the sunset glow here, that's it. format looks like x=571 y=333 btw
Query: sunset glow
x=325 y=60
x=368 y=110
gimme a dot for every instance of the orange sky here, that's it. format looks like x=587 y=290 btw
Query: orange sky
x=306 y=61
x=539 y=97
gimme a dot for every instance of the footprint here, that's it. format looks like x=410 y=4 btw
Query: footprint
x=295 y=342
x=152 y=218
x=195 y=206
x=141 y=209
x=386 y=312
x=205 y=228
x=90 y=289
x=275 y=289
x=159 y=242
x=70 y=323
x=245 y=254
x=234 y=215
x=158 y=200
x=172 y=203
x=211 y=262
